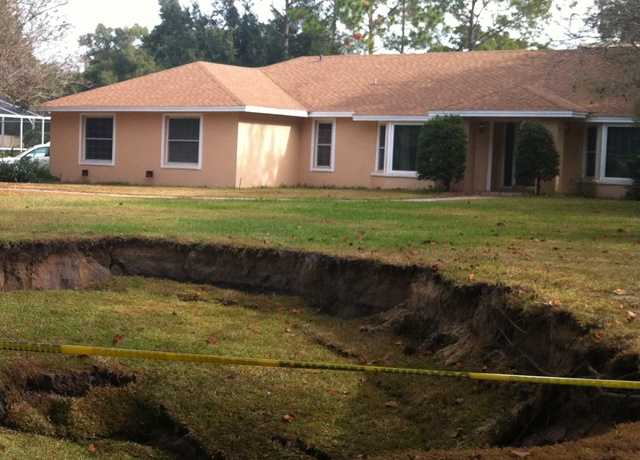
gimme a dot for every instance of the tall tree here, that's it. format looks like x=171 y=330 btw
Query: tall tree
x=415 y=24
x=537 y=158
x=617 y=23
x=302 y=28
x=174 y=41
x=241 y=34
x=367 y=20
x=249 y=39
x=187 y=34
x=114 y=55
x=226 y=17
x=28 y=27
x=491 y=24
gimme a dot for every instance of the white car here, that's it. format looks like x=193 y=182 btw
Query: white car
x=39 y=153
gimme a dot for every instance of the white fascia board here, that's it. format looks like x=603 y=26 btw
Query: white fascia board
x=613 y=120
x=275 y=111
x=330 y=114
x=509 y=114
x=24 y=117
x=392 y=118
x=233 y=109
x=238 y=108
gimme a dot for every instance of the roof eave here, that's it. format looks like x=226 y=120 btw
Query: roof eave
x=510 y=113
x=202 y=109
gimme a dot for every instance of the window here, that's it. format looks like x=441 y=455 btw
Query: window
x=98 y=146
x=405 y=146
x=183 y=142
x=323 y=150
x=591 y=151
x=382 y=142
x=622 y=143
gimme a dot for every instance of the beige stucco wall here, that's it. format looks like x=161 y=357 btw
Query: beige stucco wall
x=477 y=161
x=572 y=164
x=355 y=158
x=595 y=190
x=138 y=149
x=243 y=150
x=268 y=151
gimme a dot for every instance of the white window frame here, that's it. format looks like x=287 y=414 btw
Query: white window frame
x=376 y=170
x=601 y=156
x=390 y=151
x=164 y=154
x=83 y=141
x=314 y=145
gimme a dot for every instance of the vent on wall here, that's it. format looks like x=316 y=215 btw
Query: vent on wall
x=85 y=173
x=148 y=174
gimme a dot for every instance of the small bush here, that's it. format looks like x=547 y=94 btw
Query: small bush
x=634 y=167
x=442 y=150
x=25 y=171
x=537 y=159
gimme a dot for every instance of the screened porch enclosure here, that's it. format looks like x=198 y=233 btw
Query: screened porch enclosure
x=21 y=129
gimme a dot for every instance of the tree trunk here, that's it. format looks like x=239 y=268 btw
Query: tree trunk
x=537 y=186
x=334 y=27
x=287 y=28
x=371 y=25
x=472 y=25
x=403 y=21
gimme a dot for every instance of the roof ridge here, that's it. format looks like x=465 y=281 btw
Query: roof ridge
x=203 y=66
x=426 y=53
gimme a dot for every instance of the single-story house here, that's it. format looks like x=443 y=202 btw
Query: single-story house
x=347 y=121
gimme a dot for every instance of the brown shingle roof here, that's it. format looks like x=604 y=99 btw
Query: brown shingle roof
x=200 y=84
x=379 y=85
x=481 y=80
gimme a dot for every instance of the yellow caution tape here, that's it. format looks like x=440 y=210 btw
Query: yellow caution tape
x=84 y=350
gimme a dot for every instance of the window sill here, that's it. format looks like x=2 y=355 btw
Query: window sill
x=195 y=167
x=96 y=163
x=324 y=170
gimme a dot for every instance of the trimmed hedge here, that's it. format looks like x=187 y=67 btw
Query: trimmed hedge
x=442 y=150
x=25 y=170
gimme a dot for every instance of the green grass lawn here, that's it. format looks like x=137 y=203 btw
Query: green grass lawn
x=580 y=254
x=236 y=411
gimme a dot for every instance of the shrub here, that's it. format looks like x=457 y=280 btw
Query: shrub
x=634 y=167
x=442 y=150
x=25 y=171
x=536 y=156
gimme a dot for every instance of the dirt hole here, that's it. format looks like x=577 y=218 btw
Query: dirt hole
x=92 y=405
x=478 y=326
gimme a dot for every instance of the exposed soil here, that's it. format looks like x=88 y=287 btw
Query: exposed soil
x=88 y=406
x=476 y=326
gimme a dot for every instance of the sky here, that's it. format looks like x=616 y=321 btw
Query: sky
x=85 y=15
